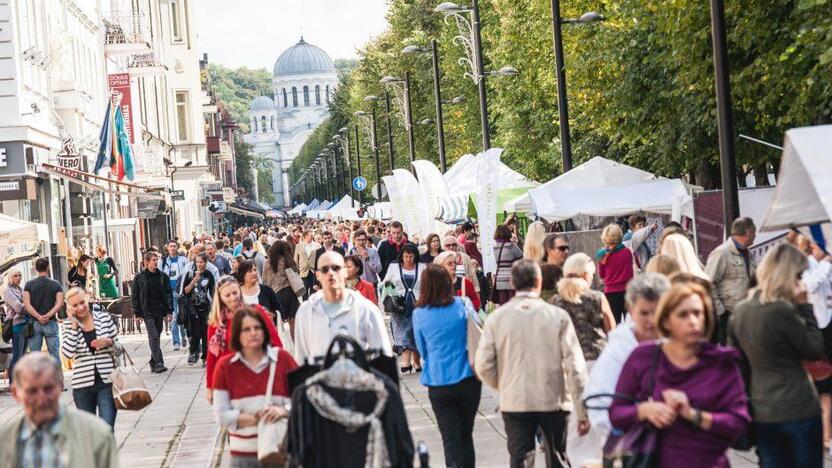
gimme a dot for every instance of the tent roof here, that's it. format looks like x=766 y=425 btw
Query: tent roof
x=804 y=188
x=462 y=177
x=344 y=203
x=597 y=172
x=313 y=205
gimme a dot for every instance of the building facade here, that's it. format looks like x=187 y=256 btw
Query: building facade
x=303 y=84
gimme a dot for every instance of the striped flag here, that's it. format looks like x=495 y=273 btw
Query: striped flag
x=114 y=149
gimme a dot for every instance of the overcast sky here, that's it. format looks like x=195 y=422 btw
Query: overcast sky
x=255 y=32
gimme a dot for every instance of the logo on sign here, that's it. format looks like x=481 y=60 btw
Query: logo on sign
x=359 y=183
x=68 y=159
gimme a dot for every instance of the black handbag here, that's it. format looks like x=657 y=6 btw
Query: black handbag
x=7 y=330
x=184 y=305
x=638 y=446
x=394 y=304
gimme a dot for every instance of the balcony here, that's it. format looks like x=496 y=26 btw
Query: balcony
x=212 y=144
x=145 y=65
x=125 y=33
x=225 y=151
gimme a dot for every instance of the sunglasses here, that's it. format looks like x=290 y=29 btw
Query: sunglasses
x=226 y=280
x=326 y=268
x=563 y=248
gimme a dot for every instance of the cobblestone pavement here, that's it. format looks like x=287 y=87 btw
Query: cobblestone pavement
x=178 y=428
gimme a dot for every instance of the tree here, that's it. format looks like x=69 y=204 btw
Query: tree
x=237 y=87
x=245 y=165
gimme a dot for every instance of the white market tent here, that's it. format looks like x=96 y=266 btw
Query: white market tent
x=344 y=209
x=803 y=195
x=298 y=209
x=597 y=172
x=381 y=210
x=19 y=240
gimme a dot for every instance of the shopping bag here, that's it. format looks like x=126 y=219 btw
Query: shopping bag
x=296 y=282
x=270 y=435
x=130 y=391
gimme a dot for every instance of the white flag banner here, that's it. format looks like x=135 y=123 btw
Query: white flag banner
x=433 y=186
x=414 y=217
x=488 y=172
x=395 y=197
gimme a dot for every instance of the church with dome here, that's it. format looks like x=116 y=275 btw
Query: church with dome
x=303 y=84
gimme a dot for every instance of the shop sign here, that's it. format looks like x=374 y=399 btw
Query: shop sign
x=68 y=157
x=9 y=186
x=3 y=161
x=120 y=93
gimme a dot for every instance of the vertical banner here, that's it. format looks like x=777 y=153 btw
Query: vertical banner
x=433 y=186
x=412 y=204
x=397 y=210
x=488 y=175
x=120 y=93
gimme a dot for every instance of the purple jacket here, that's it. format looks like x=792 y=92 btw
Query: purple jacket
x=713 y=384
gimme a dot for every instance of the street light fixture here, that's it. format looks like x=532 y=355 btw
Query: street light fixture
x=471 y=42
x=402 y=90
x=369 y=121
x=560 y=72
x=455 y=100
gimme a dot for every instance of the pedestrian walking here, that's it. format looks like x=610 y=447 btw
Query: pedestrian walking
x=388 y=249
x=77 y=275
x=462 y=286
x=506 y=253
x=255 y=292
x=405 y=276
x=90 y=339
x=557 y=249
x=469 y=265
x=227 y=302
x=663 y=264
x=533 y=248
x=636 y=238
x=335 y=309
x=679 y=248
x=13 y=298
x=642 y=297
x=355 y=281
x=615 y=267
x=440 y=326
x=47 y=433
x=241 y=381
x=43 y=297
x=551 y=275
x=328 y=244
x=731 y=269
x=687 y=388
x=219 y=261
x=250 y=253
x=371 y=262
x=175 y=265
x=107 y=273
x=776 y=331
x=195 y=250
x=151 y=302
x=433 y=247
x=198 y=286
x=276 y=273
x=537 y=389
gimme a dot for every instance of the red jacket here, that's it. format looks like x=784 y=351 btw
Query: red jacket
x=211 y=360
x=367 y=290
x=470 y=293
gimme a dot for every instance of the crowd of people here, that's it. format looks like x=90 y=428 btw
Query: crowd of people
x=584 y=348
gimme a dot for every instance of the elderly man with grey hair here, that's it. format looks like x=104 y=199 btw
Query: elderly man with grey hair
x=530 y=353
x=47 y=433
x=641 y=297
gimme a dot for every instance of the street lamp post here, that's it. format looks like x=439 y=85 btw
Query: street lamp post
x=437 y=97
x=560 y=73
x=470 y=40
x=402 y=89
x=358 y=166
x=371 y=125
x=725 y=126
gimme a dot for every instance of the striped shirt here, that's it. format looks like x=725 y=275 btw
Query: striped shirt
x=87 y=361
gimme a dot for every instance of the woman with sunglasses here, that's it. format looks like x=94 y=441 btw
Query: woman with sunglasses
x=228 y=300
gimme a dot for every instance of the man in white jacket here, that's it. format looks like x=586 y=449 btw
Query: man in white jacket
x=335 y=309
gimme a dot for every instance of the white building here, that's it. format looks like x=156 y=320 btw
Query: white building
x=303 y=83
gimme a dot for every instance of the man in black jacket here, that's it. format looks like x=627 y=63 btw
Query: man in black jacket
x=388 y=249
x=152 y=302
x=329 y=244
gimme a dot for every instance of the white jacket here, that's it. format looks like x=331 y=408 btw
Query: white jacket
x=818 y=280
x=605 y=372
x=358 y=318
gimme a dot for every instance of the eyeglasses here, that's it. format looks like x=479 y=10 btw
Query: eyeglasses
x=326 y=268
x=448 y=246
x=226 y=280
x=563 y=248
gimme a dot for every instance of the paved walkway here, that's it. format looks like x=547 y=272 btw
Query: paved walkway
x=178 y=428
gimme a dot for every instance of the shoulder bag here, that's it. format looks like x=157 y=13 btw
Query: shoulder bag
x=638 y=446
x=296 y=282
x=130 y=391
x=270 y=435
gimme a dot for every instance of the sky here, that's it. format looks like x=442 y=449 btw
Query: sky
x=254 y=32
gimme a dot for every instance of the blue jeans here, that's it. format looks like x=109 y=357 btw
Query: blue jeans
x=177 y=331
x=18 y=346
x=795 y=444
x=50 y=332
x=98 y=396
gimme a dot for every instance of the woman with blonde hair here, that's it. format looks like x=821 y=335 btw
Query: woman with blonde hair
x=664 y=264
x=615 y=267
x=679 y=248
x=533 y=245
x=777 y=331
x=228 y=300
x=13 y=298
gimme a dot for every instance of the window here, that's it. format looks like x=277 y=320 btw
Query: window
x=327 y=94
x=294 y=97
x=175 y=21
x=263 y=124
x=285 y=100
x=317 y=95
x=254 y=124
x=182 y=115
x=306 y=96
x=272 y=125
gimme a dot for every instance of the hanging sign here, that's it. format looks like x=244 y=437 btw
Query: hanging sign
x=120 y=93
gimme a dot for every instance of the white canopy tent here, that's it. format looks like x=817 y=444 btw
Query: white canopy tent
x=381 y=210
x=298 y=209
x=344 y=209
x=19 y=240
x=803 y=195
x=597 y=172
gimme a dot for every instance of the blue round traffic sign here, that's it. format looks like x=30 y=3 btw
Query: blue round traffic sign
x=359 y=183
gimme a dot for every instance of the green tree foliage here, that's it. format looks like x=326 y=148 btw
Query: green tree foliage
x=264 y=183
x=236 y=87
x=640 y=84
x=244 y=160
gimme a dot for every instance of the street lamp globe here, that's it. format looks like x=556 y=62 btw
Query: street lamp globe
x=425 y=121
x=457 y=100
x=591 y=17
x=371 y=98
x=390 y=80
x=448 y=8
x=343 y=130
x=508 y=71
x=414 y=49
x=360 y=114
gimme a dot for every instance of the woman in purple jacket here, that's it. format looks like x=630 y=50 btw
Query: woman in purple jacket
x=698 y=402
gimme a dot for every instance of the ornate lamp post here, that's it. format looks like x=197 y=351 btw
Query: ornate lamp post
x=470 y=41
x=368 y=121
x=402 y=89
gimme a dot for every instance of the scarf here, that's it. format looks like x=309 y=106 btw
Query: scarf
x=396 y=245
x=351 y=283
x=327 y=407
x=216 y=344
x=603 y=254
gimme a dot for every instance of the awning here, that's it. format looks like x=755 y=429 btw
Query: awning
x=244 y=211
x=85 y=179
x=453 y=208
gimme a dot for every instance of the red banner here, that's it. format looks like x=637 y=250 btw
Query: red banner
x=120 y=92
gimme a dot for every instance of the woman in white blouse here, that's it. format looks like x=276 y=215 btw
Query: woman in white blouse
x=405 y=275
